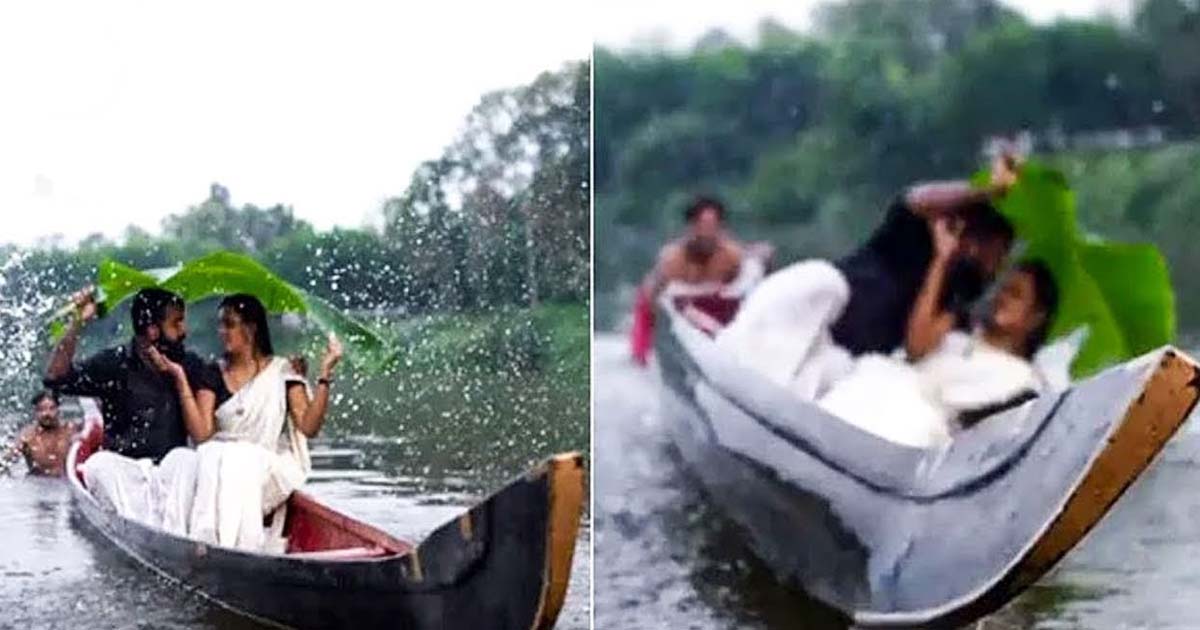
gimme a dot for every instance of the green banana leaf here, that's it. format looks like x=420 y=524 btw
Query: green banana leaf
x=1121 y=292
x=223 y=273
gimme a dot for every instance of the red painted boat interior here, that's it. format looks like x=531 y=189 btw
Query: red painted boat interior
x=718 y=307
x=90 y=439
x=314 y=527
x=313 y=530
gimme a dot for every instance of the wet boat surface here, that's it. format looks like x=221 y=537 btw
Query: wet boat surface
x=894 y=536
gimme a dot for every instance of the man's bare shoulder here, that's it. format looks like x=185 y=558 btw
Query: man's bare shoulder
x=673 y=249
x=728 y=258
x=672 y=258
x=732 y=248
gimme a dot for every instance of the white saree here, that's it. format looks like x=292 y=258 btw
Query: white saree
x=220 y=492
x=782 y=331
x=247 y=470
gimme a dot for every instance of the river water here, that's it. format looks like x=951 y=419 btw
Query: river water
x=55 y=573
x=664 y=558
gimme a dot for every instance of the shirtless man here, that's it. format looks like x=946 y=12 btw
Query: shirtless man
x=706 y=255
x=44 y=443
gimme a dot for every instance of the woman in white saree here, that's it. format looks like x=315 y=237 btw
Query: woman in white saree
x=253 y=430
x=949 y=372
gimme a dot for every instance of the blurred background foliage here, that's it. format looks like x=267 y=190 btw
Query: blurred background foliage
x=808 y=134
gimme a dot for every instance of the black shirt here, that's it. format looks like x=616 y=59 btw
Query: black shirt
x=142 y=417
x=216 y=380
x=885 y=275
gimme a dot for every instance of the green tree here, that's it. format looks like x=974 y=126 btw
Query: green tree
x=1173 y=28
x=216 y=223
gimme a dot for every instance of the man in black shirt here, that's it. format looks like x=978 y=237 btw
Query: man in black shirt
x=886 y=273
x=140 y=402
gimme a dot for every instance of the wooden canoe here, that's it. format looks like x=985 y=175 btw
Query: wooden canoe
x=504 y=564
x=894 y=536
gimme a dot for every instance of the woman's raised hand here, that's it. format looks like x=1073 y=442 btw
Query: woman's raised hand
x=333 y=354
x=1005 y=167
x=946 y=234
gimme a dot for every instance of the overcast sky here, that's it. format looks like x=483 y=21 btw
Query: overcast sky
x=120 y=112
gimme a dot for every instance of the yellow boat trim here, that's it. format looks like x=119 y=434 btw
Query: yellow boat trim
x=1166 y=401
x=562 y=527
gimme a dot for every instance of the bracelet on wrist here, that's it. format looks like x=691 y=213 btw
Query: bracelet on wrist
x=324 y=380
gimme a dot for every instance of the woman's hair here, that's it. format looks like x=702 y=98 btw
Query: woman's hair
x=1045 y=291
x=252 y=312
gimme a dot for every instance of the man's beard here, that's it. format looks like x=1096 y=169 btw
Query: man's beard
x=47 y=423
x=700 y=248
x=173 y=350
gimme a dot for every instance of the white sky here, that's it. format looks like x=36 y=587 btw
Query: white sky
x=624 y=23
x=121 y=112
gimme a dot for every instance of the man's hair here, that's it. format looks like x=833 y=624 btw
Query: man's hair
x=150 y=308
x=43 y=395
x=983 y=222
x=1045 y=291
x=699 y=204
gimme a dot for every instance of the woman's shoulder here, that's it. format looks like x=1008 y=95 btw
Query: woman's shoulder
x=286 y=368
